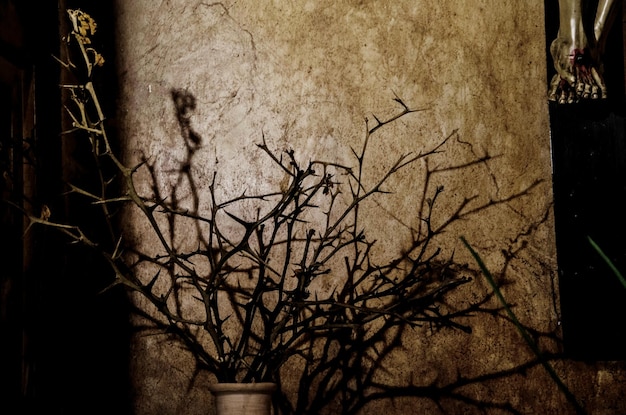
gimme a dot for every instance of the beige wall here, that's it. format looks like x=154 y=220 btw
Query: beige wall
x=306 y=74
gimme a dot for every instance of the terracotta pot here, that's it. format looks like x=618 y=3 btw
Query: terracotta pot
x=243 y=398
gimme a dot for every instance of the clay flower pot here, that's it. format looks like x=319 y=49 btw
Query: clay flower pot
x=243 y=398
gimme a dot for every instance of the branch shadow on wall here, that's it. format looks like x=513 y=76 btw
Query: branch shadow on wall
x=342 y=370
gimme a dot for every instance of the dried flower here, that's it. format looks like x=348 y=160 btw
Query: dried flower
x=97 y=58
x=45 y=213
x=83 y=25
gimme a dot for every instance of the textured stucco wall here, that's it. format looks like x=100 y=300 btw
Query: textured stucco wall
x=305 y=75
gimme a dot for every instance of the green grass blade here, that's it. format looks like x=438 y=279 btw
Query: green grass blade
x=520 y=328
x=608 y=261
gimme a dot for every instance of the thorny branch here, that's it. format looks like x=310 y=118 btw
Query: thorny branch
x=257 y=297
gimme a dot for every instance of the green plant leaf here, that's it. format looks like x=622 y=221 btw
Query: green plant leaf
x=608 y=261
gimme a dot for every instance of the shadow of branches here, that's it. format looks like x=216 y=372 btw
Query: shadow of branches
x=282 y=284
x=338 y=360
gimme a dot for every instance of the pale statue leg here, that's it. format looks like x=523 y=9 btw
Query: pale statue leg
x=576 y=57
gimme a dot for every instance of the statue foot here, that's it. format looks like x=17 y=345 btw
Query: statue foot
x=581 y=80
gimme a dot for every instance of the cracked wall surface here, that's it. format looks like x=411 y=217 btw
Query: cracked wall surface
x=305 y=76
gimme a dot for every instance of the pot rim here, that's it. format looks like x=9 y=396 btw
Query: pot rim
x=257 y=387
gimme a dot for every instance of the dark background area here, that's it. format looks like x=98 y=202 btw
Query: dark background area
x=589 y=178
x=63 y=346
